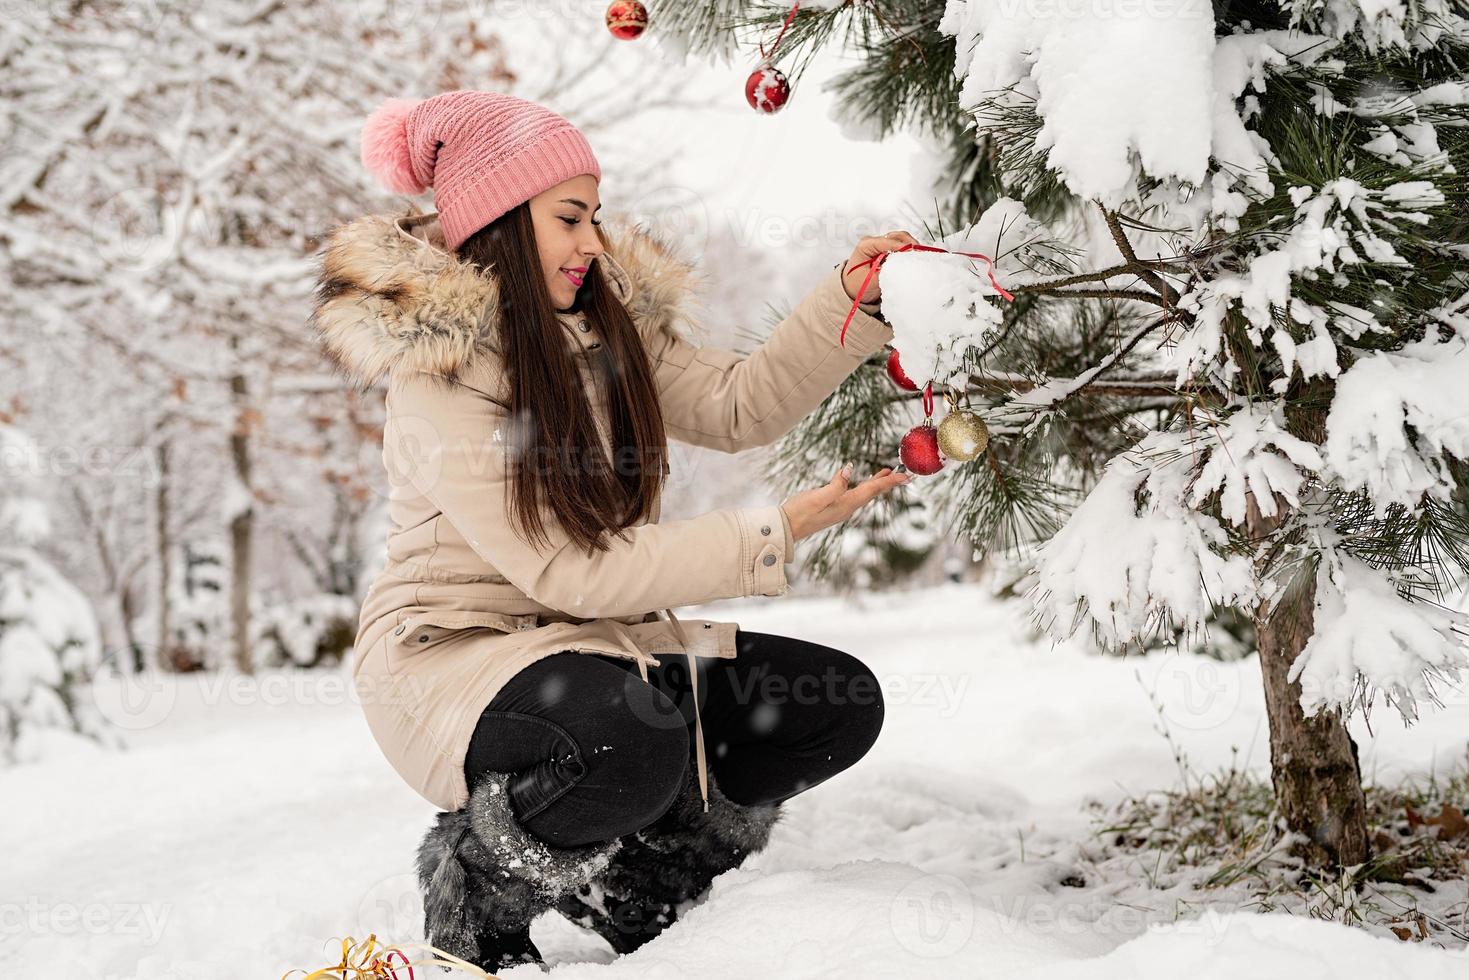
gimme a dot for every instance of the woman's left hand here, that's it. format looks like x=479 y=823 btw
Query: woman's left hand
x=869 y=248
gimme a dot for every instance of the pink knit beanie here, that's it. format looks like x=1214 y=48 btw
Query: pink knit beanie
x=482 y=153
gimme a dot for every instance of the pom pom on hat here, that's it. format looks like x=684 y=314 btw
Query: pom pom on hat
x=385 y=151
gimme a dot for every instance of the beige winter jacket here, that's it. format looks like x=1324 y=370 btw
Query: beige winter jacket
x=463 y=602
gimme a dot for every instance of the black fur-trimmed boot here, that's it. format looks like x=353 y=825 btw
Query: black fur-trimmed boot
x=484 y=879
x=671 y=861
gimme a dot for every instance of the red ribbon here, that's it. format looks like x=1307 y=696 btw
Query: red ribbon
x=928 y=400
x=388 y=962
x=789 y=17
x=877 y=260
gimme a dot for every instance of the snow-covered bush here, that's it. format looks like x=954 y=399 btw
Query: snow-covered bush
x=308 y=631
x=50 y=645
x=199 y=596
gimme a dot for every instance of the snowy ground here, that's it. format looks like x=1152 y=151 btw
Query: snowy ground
x=255 y=819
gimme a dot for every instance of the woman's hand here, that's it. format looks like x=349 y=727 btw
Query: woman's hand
x=814 y=510
x=866 y=249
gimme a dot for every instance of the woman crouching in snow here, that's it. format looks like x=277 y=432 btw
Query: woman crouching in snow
x=510 y=660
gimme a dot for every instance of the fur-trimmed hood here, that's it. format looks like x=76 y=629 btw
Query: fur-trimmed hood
x=390 y=297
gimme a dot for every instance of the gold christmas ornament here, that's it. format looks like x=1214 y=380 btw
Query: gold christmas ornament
x=963 y=435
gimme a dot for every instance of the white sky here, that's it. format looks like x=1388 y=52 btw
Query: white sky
x=795 y=162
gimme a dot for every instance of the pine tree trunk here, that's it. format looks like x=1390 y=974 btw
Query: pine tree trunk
x=1313 y=761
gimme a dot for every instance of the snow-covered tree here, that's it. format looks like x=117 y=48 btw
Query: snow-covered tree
x=49 y=642
x=1223 y=349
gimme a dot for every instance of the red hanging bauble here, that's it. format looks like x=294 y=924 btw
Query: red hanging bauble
x=627 y=19
x=896 y=373
x=767 y=89
x=919 y=450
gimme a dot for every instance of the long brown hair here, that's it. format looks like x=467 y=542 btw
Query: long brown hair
x=559 y=458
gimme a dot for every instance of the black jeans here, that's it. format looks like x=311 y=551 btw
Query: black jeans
x=598 y=753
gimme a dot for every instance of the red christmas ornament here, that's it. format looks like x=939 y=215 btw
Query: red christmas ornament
x=897 y=374
x=919 y=450
x=627 y=19
x=767 y=89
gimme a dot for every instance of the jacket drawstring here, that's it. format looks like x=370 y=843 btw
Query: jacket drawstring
x=698 y=722
x=642 y=659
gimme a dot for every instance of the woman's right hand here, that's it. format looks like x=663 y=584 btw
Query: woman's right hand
x=815 y=510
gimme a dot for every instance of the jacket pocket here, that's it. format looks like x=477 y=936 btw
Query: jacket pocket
x=425 y=631
x=707 y=637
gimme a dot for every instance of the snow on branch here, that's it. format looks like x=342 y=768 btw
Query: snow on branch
x=1251 y=453
x=1416 y=25
x=1396 y=418
x=1369 y=638
x=1136 y=556
x=1339 y=225
x=1110 y=90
